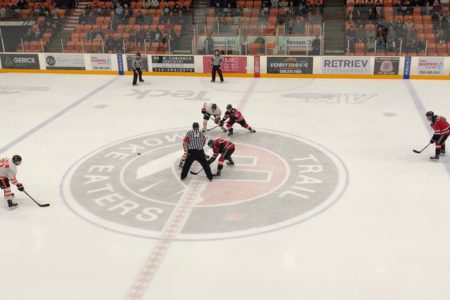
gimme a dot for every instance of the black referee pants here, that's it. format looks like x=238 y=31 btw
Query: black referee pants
x=136 y=73
x=198 y=155
x=216 y=69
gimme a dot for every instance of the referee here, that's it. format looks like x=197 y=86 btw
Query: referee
x=136 y=66
x=194 y=142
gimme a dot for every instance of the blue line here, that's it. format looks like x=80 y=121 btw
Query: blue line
x=54 y=117
x=422 y=110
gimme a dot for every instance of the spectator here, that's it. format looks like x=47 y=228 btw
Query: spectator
x=155 y=4
x=176 y=9
x=262 y=44
x=146 y=4
x=2 y=12
x=22 y=4
x=139 y=18
x=148 y=18
x=90 y=36
x=110 y=44
x=315 y=46
x=360 y=34
x=208 y=45
x=380 y=42
x=350 y=36
x=421 y=44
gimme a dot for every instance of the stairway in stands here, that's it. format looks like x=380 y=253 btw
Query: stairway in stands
x=70 y=22
x=334 y=19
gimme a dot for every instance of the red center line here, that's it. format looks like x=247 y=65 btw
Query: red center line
x=173 y=226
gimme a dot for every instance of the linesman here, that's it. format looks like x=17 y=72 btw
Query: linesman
x=136 y=66
x=194 y=141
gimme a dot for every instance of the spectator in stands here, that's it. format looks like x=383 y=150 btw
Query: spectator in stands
x=140 y=36
x=372 y=15
x=315 y=46
x=274 y=3
x=148 y=19
x=421 y=44
x=262 y=44
x=436 y=10
x=98 y=34
x=139 y=18
x=398 y=27
x=90 y=36
x=350 y=36
x=22 y=4
x=360 y=34
x=406 y=8
x=110 y=44
x=119 y=12
x=370 y=39
x=440 y=29
x=155 y=35
x=391 y=34
x=380 y=42
x=113 y=22
x=2 y=11
x=411 y=46
x=155 y=4
x=208 y=45
x=146 y=4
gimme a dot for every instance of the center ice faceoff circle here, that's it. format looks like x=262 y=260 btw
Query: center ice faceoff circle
x=278 y=180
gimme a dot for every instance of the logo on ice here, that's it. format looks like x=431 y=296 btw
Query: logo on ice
x=278 y=180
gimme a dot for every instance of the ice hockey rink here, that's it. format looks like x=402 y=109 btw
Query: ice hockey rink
x=326 y=201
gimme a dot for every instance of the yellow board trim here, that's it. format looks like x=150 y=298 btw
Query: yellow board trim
x=262 y=75
x=96 y=72
x=430 y=77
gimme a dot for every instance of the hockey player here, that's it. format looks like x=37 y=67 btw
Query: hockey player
x=441 y=132
x=8 y=172
x=225 y=149
x=234 y=116
x=208 y=110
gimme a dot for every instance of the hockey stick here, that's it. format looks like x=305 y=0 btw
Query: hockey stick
x=420 y=151
x=196 y=173
x=212 y=128
x=41 y=205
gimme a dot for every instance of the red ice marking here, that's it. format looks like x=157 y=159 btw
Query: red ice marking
x=173 y=226
x=269 y=169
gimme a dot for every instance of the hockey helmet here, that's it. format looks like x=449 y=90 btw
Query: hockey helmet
x=429 y=114
x=214 y=106
x=210 y=143
x=229 y=107
x=17 y=159
x=195 y=126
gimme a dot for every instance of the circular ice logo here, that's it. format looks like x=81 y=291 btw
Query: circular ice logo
x=278 y=180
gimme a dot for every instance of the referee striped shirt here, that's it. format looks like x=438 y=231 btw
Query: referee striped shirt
x=194 y=140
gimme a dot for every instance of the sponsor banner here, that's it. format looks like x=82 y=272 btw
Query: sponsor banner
x=64 y=61
x=346 y=65
x=168 y=63
x=220 y=42
x=386 y=65
x=20 y=61
x=300 y=42
x=101 y=62
x=431 y=66
x=289 y=65
x=144 y=62
x=230 y=64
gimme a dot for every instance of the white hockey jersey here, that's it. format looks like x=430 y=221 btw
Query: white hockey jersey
x=8 y=170
x=216 y=113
